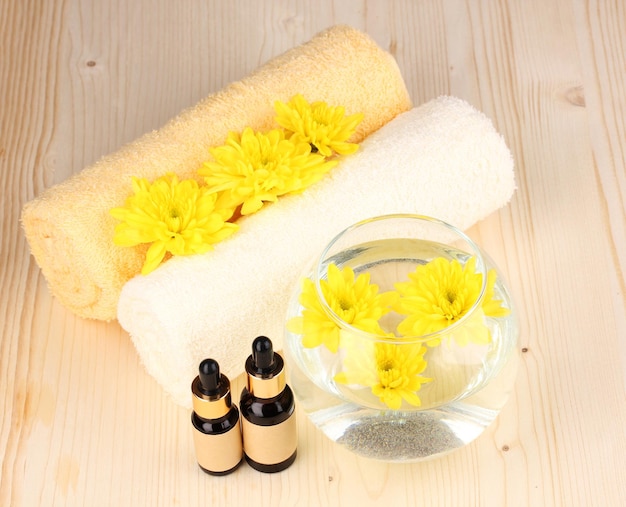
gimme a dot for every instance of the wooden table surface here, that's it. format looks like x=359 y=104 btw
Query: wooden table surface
x=81 y=422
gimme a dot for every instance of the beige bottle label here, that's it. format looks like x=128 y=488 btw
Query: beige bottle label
x=218 y=453
x=270 y=444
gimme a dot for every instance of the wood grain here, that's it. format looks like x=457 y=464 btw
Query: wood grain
x=81 y=423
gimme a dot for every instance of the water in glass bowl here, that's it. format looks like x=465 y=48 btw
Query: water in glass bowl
x=470 y=382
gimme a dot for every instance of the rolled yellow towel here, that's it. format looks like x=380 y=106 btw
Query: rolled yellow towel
x=69 y=228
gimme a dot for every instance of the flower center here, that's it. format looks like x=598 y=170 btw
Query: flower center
x=385 y=365
x=173 y=221
x=344 y=304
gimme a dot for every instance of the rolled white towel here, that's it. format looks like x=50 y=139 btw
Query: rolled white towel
x=442 y=159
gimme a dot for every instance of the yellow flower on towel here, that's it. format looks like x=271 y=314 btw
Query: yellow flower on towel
x=324 y=127
x=178 y=217
x=442 y=292
x=391 y=370
x=255 y=168
x=355 y=301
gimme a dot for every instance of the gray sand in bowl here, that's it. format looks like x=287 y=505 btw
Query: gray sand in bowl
x=399 y=440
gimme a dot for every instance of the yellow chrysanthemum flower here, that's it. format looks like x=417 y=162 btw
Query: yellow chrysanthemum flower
x=493 y=307
x=256 y=168
x=392 y=371
x=175 y=216
x=355 y=301
x=324 y=127
x=441 y=293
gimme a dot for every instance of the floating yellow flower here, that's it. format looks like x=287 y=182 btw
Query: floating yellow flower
x=324 y=127
x=175 y=216
x=355 y=301
x=493 y=307
x=255 y=168
x=392 y=371
x=441 y=293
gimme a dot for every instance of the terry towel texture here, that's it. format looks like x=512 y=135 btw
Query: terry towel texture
x=69 y=228
x=442 y=159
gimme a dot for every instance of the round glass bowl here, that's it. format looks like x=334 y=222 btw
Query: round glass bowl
x=401 y=339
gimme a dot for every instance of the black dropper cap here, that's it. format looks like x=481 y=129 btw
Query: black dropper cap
x=210 y=391
x=210 y=378
x=263 y=354
x=265 y=369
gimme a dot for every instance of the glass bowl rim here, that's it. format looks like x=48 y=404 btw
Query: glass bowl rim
x=356 y=332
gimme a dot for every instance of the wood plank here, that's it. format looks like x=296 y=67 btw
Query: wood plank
x=81 y=423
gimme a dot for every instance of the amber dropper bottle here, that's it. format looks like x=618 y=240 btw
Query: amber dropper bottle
x=267 y=405
x=215 y=420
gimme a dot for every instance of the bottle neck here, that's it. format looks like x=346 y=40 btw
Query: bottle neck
x=211 y=407
x=266 y=386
